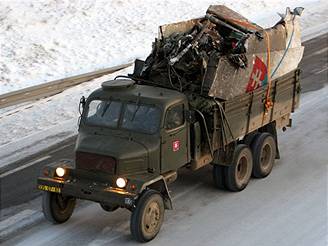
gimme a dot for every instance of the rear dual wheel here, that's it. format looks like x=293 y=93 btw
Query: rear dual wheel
x=236 y=176
x=264 y=153
x=258 y=160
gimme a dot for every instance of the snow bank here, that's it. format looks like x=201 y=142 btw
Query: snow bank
x=42 y=41
x=46 y=40
x=35 y=126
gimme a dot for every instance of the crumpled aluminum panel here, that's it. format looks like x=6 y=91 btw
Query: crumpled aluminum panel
x=226 y=14
x=227 y=81
x=179 y=27
x=223 y=79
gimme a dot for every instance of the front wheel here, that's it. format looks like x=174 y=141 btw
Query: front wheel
x=147 y=218
x=57 y=208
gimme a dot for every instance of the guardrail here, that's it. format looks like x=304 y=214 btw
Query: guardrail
x=54 y=87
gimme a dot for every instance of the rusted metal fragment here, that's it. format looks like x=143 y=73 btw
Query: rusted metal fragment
x=277 y=40
x=227 y=81
x=223 y=55
x=286 y=52
x=232 y=17
x=180 y=27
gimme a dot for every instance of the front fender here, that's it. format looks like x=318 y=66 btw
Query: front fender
x=159 y=184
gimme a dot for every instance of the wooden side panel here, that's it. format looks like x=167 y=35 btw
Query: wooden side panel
x=283 y=99
x=246 y=113
x=237 y=115
x=257 y=118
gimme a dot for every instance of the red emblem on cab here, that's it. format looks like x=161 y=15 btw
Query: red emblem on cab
x=176 y=145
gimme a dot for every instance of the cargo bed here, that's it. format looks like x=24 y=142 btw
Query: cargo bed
x=246 y=113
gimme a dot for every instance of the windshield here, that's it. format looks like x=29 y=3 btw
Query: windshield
x=104 y=113
x=135 y=117
x=142 y=118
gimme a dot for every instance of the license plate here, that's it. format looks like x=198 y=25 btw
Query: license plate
x=49 y=188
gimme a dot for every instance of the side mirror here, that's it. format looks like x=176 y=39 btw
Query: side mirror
x=82 y=104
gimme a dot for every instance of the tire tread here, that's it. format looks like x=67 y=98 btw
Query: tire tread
x=136 y=218
x=256 y=149
x=229 y=171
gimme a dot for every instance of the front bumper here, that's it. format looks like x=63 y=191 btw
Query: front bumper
x=88 y=190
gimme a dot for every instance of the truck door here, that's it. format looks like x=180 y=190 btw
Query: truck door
x=175 y=139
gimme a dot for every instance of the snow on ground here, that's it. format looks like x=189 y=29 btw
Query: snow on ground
x=43 y=123
x=45 y=40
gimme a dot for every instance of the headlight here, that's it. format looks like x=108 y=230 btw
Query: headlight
x=121 y=182
x=60 y=172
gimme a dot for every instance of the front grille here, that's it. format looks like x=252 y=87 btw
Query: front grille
x=95 y=162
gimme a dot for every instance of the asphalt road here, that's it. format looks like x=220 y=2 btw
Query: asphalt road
x=314 y=64
x=19 y=184
x=287 y=208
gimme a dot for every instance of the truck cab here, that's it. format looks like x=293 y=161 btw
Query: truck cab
x=129 y=129
x=132 y=139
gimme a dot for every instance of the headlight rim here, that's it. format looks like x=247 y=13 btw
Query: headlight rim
x=123 y=184
x=62 y=172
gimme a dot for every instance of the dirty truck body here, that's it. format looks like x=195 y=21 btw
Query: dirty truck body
x=134 y=135
x=148 y=157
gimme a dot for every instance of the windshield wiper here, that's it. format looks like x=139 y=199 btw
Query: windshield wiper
x=106 y=108
x=138 y=107
x=135 y=112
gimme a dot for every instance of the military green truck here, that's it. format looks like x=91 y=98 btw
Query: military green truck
x=199 y=99
x=133 y=138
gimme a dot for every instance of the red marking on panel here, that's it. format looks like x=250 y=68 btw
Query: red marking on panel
x=258 y=76
x=176 y=145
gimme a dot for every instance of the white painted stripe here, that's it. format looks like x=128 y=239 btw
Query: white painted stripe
x=24 y=166
x=321 y=51
x=316 y=53
x=62 y=147
x=30 y=220
x=15 y=219
x=97 y=242
x=194 y=187
x=322 y=70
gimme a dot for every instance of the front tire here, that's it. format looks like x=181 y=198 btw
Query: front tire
x=147 y=218
x=57 y=208
x=237 y=175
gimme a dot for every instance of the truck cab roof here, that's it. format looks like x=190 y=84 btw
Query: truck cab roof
x=128 y=90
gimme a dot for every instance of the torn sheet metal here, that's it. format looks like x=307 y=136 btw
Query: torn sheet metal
x=223 y=54
x=286 y=52
x=229 y=16
x=180 y=27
